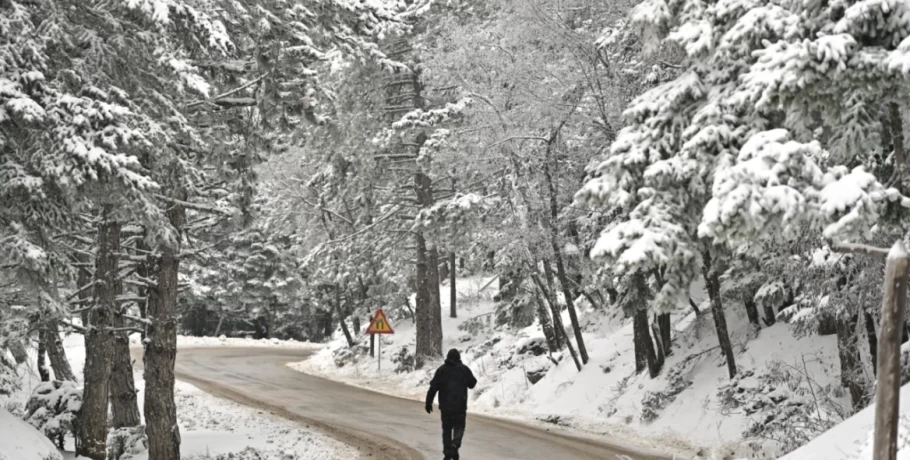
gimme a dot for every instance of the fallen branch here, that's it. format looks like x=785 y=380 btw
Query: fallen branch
x=857 y=248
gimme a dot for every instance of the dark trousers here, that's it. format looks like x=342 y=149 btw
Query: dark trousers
x=452 y=433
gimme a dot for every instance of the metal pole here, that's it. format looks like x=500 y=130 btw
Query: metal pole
x=887 y=394
x=379 y=361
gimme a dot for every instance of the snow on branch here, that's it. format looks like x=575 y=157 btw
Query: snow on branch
x=428 y=118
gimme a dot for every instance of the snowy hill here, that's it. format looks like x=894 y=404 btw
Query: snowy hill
x=20 y=441
x=852 y=440
x=692 y=409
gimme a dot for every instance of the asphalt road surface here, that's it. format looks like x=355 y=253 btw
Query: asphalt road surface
x=382 y=427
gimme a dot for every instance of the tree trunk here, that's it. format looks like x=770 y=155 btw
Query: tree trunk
x=659 y=349
x=328 y=329
x=645 y=356
x=557 y=255
x=851 y=368
x=770 y=316
x=666 y=333
x=142 y=270
x=453 y=294
x=99 y=343
x=751 y=309
x=342 y=318
x=873 y=341
x=20 y=354
x=557 y=318
x=57 y=356
x=356 y=322
x=124 y=403
x=712 y=281
x=43 y=373
x=546 y=324
x=161 y=352
x=428 y=312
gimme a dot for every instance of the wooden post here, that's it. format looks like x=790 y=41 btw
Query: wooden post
x=887 y=394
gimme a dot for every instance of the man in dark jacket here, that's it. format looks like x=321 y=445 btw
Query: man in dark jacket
x=451 y=381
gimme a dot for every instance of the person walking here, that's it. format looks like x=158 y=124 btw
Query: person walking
x=452 y=381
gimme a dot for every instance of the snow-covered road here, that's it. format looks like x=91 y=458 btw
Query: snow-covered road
x=380 y=426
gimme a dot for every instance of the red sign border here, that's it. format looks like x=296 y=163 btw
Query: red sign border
x=373 y=321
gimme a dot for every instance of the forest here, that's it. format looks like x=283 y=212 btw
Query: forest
x=281 y=169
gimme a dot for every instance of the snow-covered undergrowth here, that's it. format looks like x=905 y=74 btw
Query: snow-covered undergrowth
x=693 y=409
x=210 y=428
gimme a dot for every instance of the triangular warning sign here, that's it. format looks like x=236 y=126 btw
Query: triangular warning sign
x=380 y=324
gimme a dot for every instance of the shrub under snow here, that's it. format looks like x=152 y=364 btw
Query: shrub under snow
x=54 y=409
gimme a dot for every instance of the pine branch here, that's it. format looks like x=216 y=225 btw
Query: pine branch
x=856 y=248
x=193 y=206
x=227 y=94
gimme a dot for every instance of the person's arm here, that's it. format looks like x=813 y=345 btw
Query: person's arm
x=431 y=393
x=471 y=380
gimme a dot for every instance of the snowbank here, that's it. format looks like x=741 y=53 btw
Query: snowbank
x=209 y=426
x=691 y=409
x=19 y=441
x=852 y=439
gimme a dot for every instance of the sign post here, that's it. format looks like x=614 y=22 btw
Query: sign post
x=379 y=325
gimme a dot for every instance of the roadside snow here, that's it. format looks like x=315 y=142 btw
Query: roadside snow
x=19 y=441
x=607 y=397
x=852 y=439
x=209 y=426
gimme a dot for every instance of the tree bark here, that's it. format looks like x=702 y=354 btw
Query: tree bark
x=546 y=324
x=873 y=340
x=428 y=312
x=770 y=316
x=666 y=332
x=659 y=349
x=142 y=270
x=328 y=329
x=751 y=309
x=557 y=318
x=57 y=356
x=453 y=294
x=99 y=343
x=43 y=373
x=342 y=318
x=645 y=356
x=712 y=280
x=124 y=403
x=557 y=255
x=161 y=352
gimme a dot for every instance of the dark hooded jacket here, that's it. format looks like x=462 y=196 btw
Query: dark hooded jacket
x=452 y=381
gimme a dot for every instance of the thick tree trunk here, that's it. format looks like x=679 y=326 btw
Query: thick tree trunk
x=57 y=356
x=751 y=309
x=770 y=316
x=99 y=344
x=557 y=256
x=666 y=333
x=124 y=403
x=712 y=281
x=161 y=353
x=453 y=294
x=428 y=312
x=659 y=349
x=851 y=367
x=546 y=324
x=645 y=356
x=43 y=372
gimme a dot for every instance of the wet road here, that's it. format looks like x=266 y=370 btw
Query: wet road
x=380 y=426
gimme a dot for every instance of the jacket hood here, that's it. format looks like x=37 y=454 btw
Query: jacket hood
x=453 y=357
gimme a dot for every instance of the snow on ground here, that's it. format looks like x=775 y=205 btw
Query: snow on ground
x=209 y=426
x=852 y=439
x=19 y=441
x=685 y=411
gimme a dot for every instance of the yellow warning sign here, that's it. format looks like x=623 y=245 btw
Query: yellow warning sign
x=380 y=324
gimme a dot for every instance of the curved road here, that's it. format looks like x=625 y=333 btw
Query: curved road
x=380 y=426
